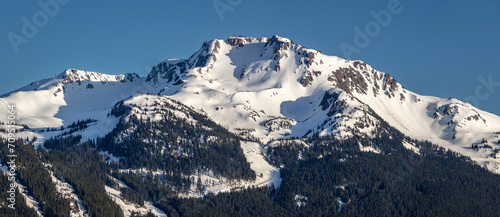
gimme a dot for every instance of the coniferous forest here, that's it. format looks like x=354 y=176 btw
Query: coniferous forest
x=326 y=177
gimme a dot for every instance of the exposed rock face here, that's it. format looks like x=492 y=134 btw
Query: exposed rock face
x=331 y=101
x=169 y=71
x=279 y=123
x=277 y=44
x=236 y=42
x=349 y=80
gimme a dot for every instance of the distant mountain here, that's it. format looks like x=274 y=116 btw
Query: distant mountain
x=241 y=112
x=269 y=88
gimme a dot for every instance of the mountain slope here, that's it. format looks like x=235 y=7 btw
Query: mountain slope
x=265 y=89
x=273 y=88
x=71 y=96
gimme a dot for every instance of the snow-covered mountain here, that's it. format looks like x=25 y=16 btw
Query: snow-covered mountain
x=264 y=88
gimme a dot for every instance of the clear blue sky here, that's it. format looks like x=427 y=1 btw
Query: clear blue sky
x=439 y=48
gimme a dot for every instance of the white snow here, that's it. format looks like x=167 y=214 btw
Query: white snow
x=369 y=149
x=341 y=204
x=67 y=191
x=411 y=146
x=266 y=173
x=254 y=152
x=108 y=157
x=300 y=200
x=62 y=101
x=129 y=207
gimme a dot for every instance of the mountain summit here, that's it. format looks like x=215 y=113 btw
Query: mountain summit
x=266 y=89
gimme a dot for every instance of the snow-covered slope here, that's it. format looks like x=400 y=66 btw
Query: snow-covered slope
x=267 y=88
x=72 y=95
x=271 y=88
x=69 y=97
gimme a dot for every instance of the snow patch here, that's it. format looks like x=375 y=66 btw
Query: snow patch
x=411 y=146
x=128 y=207
x=300 y=200
x=68 y=192
x=369 y=149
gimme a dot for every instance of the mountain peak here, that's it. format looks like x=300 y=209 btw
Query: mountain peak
x=277 y=38
x=73 y=75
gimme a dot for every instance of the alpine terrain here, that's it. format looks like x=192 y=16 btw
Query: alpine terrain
x=247 y=127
